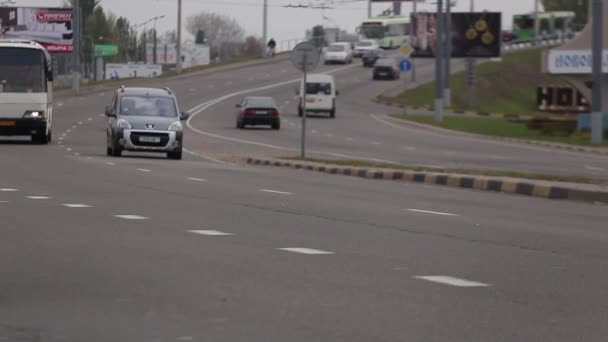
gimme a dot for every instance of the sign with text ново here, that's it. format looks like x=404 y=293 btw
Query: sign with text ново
x=50 y=27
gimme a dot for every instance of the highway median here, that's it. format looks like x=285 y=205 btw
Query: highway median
x=585 y=189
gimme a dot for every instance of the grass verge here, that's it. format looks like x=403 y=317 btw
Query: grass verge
x=508 y=86
x=499 y=128
x=490 y=173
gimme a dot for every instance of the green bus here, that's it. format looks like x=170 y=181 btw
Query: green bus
x=389 y=32
x=550 y=25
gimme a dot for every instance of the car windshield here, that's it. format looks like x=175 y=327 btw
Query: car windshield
x=318 y=88
x=374 y=31
x=261 y=102
x=148 y=106
x=336 y=48
x=22 y=71
x=365 y=44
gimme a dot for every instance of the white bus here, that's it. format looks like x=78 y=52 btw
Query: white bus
x=389 y=32
x=26 y=90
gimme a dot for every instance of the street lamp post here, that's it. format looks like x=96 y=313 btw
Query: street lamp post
x=155 y=19
x=597 y=116
x=439 y=63
x=178 y=66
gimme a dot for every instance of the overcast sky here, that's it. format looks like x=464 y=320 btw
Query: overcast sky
x=284 y=23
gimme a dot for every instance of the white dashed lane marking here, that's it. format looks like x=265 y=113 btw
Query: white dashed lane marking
x=447 y=280
x=209 y=232
x=276 y=192
x=131 y=217
x=197 y=179
x=432 y=212
x=349 y=139
x=3 y=202
x=76 y=205
x=594 y=168
x=111 y=164
x=38 y=197
x=9 y=190
x=308 y=251
x=143 y=170
x=376 y=143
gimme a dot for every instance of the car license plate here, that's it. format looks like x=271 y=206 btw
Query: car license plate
x=149 y=139
x=7 y=123
x=261 y=112
x=310 y=100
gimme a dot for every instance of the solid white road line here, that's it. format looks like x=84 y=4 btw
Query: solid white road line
x=143 y=170
x=9 y=190
x=204 y=156
x=594 y=168
x=38 y=197
x=76 y=205
x=447 y=280
x=197 y=179
x=209 y=232
x=131 y=217
x=309 y=251
x=276 y=192
x=432 y=212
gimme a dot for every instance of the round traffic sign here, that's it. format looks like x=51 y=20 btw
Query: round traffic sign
x=305 y=57
x=405 y=65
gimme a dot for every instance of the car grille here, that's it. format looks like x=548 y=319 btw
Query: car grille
x=164 y=139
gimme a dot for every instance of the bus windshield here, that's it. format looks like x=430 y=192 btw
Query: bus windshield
x=373 y=31
x=22 y=71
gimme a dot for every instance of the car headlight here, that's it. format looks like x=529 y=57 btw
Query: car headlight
x=176 y=127
x=124 y=124
x=33 y=114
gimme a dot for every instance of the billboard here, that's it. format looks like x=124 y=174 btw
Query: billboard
x=117 y=71
x=166 y=53
x=51 y=27
x=473 y=35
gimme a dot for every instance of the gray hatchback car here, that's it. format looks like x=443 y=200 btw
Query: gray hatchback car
x=146 y=120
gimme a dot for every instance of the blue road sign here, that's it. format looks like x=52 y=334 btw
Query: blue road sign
x=405 y=65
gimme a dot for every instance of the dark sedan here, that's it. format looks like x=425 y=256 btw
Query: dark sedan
x=370 y=57
x=258 y=110
x=386 y=68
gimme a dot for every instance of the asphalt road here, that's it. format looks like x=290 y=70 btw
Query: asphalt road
x=142 y=248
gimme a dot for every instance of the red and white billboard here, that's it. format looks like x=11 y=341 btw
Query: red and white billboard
x=51 y=27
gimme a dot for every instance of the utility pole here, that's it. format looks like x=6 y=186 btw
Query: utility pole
x=396 y=8
x=471 y=72
x=76 y=46
x=536 y=9
x=178 y=45
x=439 y=63
x=597 y=131
x=265 y=28
x=369 y=8
x=415 y=12
x=448 y=54
x=154 y=46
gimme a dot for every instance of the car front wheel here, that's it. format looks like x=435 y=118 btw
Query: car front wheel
x=176 y=155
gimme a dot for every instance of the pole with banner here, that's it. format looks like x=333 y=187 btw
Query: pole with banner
x=405 y=66
x=597 y=114
x=305 y=57
x=415 y=12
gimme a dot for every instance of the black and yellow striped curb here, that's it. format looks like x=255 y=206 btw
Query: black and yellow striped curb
x=481 y=183
x=547 y=144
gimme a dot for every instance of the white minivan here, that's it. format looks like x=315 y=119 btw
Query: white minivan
x=339 y=53
x=320 y=94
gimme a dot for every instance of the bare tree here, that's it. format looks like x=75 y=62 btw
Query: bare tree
x=252 y=46
x=222 y=32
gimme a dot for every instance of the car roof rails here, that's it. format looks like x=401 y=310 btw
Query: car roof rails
x=168 y=90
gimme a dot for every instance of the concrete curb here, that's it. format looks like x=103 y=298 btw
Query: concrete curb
x=557 y=146
x=540 y=189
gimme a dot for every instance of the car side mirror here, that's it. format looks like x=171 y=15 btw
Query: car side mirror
x=184 y=116
x=238 y=105
x=110 y=111
x=337 y=92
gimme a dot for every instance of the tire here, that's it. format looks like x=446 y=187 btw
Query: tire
x=116 y=150
x=332 y=113
x=175 y=155
x=239 y=125
x=300 y=111
x=276 y=126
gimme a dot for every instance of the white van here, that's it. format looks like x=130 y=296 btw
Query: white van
x=320 y=94
x=339 y=53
